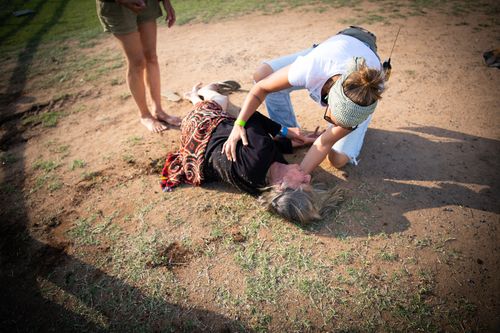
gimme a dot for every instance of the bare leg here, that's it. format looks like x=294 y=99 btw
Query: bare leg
x=147 y=31
x=136 y=64
x=337 y=159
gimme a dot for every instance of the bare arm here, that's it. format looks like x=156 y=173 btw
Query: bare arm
x=170 y=17
x=321 y=147
x=274 y=82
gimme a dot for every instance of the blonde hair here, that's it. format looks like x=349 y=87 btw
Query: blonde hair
x=302 y=205
x=364 y=86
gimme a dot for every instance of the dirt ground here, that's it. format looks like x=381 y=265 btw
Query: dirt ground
x=428 y=172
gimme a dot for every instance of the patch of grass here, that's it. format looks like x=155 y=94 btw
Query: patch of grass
x=229 y=213
x=83 y=231
x=95 y=229
x=63 y=150
x=75 y=303
x=117 y=82
x=142 y=211
x=7 y=158
x=226 y=299
x=52 y=21
x=125 y=95
x=344 y=257
x=52 y=181
x=46 y=165
x=47 y=119
x=176 y=222
x=134 y=140
x=128 y=158
x=39 y=182
x=388 y=256
x=90 y=175
x=423 y=242
x=7 y=188
x=55 y=185
x=411 y=73
x=77 y=164
x=78 y=109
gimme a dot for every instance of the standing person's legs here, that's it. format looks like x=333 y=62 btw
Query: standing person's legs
x=136 y=65
x=147 y=32
x=278 y=104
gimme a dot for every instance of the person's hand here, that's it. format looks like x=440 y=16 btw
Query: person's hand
x=229 y=148
x=134 y=5
x=170 y=19
x=301 y=139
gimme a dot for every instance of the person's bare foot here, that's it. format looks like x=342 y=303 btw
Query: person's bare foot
x=211 y=87
x=164 y=117
x=153 y=124
x=193 y=94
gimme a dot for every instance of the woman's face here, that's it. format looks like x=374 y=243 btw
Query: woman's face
x=294 y=177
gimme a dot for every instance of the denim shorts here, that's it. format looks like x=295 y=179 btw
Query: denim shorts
x=120 y=20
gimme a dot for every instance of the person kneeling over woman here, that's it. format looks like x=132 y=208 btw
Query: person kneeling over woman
x=260 y=168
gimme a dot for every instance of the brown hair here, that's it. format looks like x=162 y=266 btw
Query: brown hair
x=364 y=86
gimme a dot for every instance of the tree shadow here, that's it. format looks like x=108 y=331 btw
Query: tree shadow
x=28 y=265
x=27 y=262
x=23 y=21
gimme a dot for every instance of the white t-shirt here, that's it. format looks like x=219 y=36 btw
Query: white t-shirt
x=326 y=60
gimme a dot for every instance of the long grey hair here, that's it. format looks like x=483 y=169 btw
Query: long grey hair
x=302 y=205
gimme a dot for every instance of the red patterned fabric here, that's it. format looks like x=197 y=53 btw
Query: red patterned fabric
x=185 y=165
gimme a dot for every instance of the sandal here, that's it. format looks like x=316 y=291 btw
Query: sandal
x=227 y=87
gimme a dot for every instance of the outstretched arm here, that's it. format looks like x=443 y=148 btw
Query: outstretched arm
x=321 y=147
x=274 y=82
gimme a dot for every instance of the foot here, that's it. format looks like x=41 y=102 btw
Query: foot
x=166 y=118
x=224 y=87
x=153 y=124
x=193 y=95
x=208 y=89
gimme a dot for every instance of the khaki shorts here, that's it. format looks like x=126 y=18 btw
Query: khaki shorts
x=120 y=20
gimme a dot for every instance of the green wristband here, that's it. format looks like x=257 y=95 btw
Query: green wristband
x=240 y=122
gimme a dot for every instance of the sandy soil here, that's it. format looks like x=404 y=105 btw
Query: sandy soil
x=432 y=150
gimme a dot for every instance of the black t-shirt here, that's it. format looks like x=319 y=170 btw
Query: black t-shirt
x=249 y=171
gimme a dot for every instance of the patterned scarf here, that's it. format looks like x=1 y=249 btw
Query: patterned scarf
x=185 y=165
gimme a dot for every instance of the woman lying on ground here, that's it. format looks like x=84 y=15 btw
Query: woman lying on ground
x=260 y=168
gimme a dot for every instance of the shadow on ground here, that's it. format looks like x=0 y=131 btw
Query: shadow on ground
x=26 y=262
x=413 y=169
